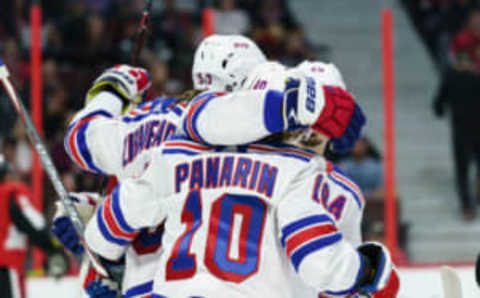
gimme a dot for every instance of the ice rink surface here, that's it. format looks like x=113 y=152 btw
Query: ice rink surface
x=415 y=283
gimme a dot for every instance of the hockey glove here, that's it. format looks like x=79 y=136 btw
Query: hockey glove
x=65 y=232
x=328 y=110
x=304 y=102
x=129 y=83
x=379 y=278
x=336 y=112
x=346 y=142
x=291 y=103
x=102 y=288
x=62 y=226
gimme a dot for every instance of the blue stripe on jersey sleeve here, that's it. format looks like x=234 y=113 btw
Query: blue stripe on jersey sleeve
x=96 y=113
x=299 y=224
x=313 y=246
x=272 y=112
x=194 y=120
x=84 y=150
x=180 y=151
x=106 y=232
x=195 y=112
x=118 y=212
x=81 y=142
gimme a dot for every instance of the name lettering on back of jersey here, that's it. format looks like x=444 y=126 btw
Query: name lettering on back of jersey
x=227 y=171
x=148 y=135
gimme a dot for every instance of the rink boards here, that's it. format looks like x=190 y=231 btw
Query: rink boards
x=417 y=282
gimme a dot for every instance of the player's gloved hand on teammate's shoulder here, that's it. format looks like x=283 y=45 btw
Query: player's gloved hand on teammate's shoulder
x=336 y=112
x=102 y=288
x=304 y=101
x=380 y=278
x=129 y=83
x=329 y=110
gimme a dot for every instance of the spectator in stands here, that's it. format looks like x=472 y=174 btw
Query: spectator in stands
x=466 y=44
x=97 y=49
x=12 y=56
x=179 y=34
x=159 y=74
x=365 y=168
x=54 y=45
x=273 y=20
x=230 y=20
x=429 y=19
x=55 y=112
x=274 y=13
x=460 y=92
x=296 y=49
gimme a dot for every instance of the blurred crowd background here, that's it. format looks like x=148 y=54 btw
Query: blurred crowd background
x=80 y=38
x=450 y=31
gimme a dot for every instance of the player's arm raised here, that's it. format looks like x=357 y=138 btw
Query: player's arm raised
x=319 y=253
x=94 y=137
x=272 y=101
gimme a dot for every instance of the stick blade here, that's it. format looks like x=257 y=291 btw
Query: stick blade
x=452 y=286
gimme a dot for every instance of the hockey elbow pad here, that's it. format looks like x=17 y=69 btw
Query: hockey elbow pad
x=379 y=277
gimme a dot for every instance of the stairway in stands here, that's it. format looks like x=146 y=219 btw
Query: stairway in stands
x=424 y=164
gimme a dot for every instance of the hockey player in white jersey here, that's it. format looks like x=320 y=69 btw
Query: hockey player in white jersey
x=103 y=141
x=238 y=223
x=136 y=142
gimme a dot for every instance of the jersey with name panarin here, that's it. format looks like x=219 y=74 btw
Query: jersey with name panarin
x=237 y=224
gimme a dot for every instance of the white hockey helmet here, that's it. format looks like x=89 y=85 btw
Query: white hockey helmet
x=223 y=62
x=271 y=75
x=326 y=73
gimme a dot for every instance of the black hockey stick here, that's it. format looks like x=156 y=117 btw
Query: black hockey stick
x=142 y=32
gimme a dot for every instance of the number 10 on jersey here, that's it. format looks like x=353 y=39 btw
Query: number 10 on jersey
x=182 y=263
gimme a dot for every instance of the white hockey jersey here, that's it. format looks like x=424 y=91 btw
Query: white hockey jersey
x=102 y=141
x=237 y=224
